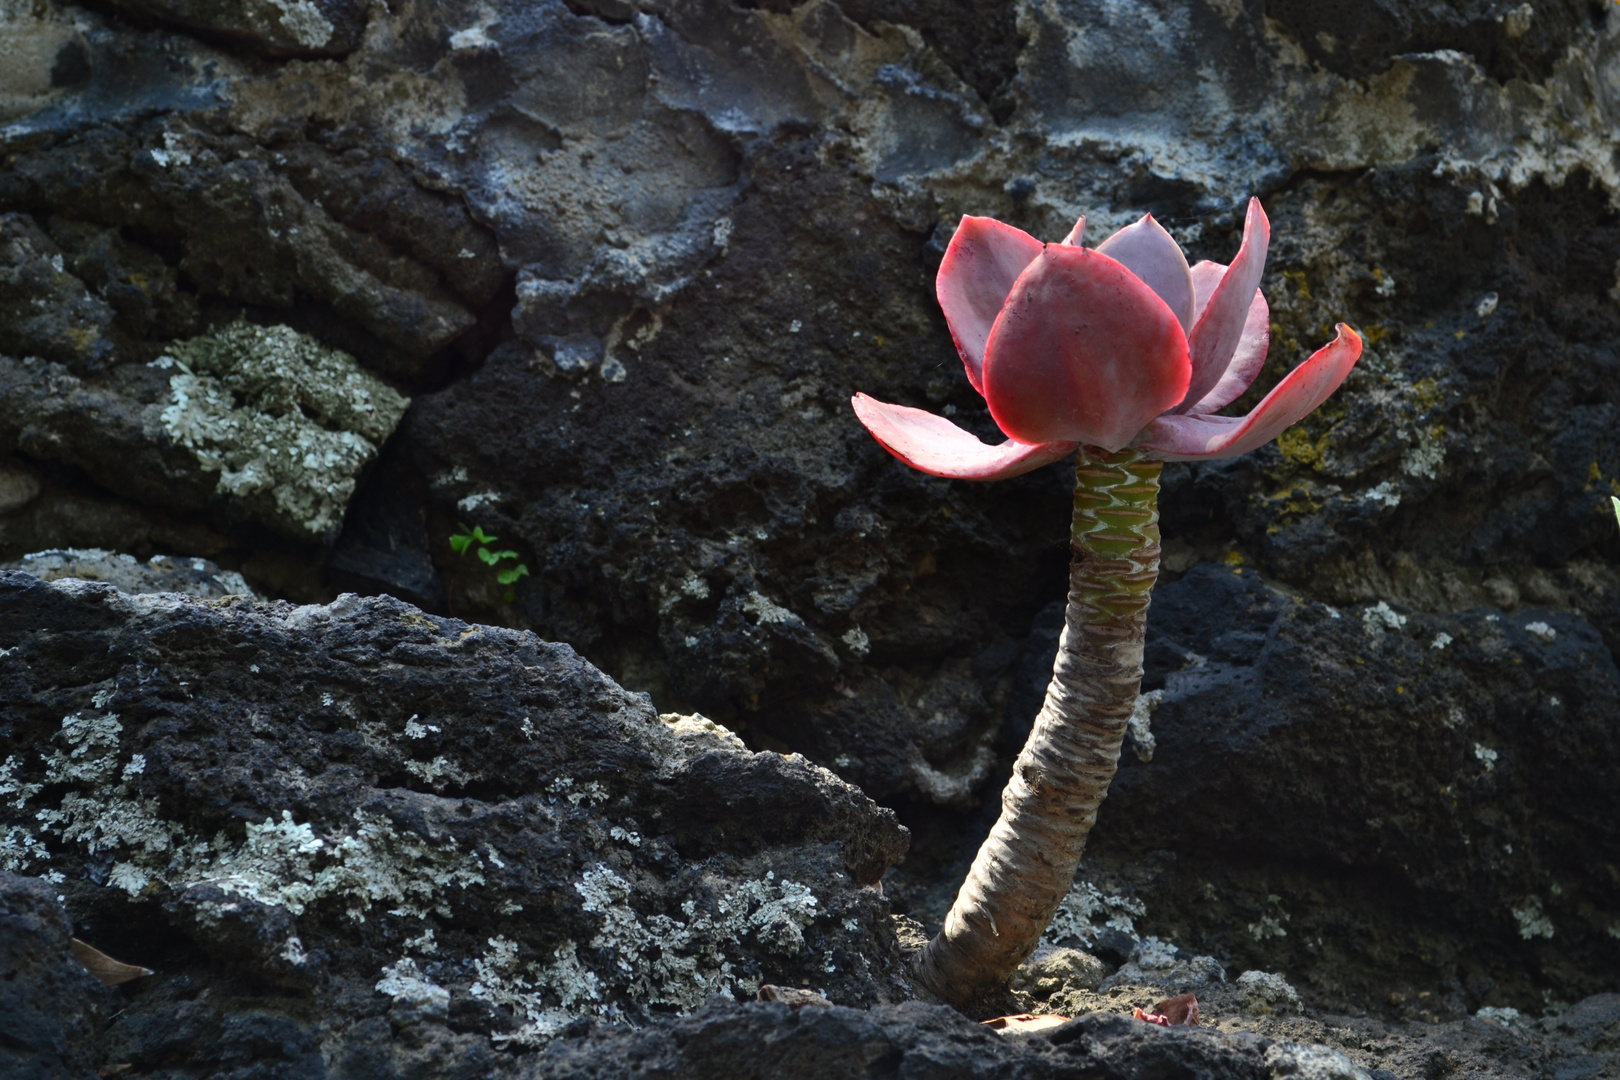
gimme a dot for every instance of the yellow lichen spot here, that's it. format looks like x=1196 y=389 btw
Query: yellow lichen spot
x=1375 y=333
x=879 y=340
x=83 y=338
x=1426 y=392
x=1614 y=485
x=1297 y=279
x=1296 y=445
x=1400 y=689
x=1233 y=559
x=1594 y=473
x=138 y=280
x=1459 y=335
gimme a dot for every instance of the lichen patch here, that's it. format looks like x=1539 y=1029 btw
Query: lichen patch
x=286 y=423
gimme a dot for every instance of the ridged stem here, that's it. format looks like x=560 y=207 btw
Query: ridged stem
x=1027 y=864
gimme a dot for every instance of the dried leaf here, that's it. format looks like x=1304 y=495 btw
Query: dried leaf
x=1024 y=1022
x=109 y=971
x=1179 y=1011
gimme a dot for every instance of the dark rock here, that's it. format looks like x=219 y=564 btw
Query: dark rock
x=928 y=1042
x=338 y=817
x=47 y=310
x=275 y=27
x=1446 y=777
x=49 y=1005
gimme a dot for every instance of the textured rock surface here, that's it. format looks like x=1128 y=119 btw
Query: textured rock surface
x=50 y=1004
x=629 y=258
x=327 y=820
x=1448 y=773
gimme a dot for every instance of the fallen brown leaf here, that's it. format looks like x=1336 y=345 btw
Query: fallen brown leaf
x=1024 y=1022
x=109 y=971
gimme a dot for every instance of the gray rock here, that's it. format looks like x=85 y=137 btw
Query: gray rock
x=50 y=1005
x=1287 y=1059
x=1158 y=963
x=161 y=573
x=1454 y=759
x=411 y=820
x=1266 y=993
x=276 y=27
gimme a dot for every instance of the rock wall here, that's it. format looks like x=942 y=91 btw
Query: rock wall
x=627 y=261
x=337 y=822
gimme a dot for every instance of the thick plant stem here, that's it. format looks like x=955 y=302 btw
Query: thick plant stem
x=1027 y=864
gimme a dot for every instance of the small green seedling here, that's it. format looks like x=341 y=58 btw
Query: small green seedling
x=1616 y=507
x=464 y=540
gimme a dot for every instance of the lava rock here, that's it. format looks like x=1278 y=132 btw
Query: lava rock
x=350 y=819
x=50 y=1004
x=1449 y=773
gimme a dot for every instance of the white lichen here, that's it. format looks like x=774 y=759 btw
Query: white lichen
x=644 y=960
x=1500 y=1015
x=304 y=21
x=1381 y=617
x=857 y=642
x=406 y=984
x=1533 y=922
x=1424 y=457
x=1441 y=640
x=1087 y=910
x=765 y=611
x=1486 y=756
x=1541 y=631
x=286 y=423
x=1384 y=494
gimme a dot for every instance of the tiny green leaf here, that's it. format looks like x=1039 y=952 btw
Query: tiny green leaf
x=1616 y=507
x=510 y=575
x=486 y=555
x=461 y=541
x=481 y=536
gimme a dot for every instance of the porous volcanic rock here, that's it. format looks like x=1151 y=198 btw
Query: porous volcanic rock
x=630 y=258
x=1374 y=800
x=321 y=825
x=50 y=1005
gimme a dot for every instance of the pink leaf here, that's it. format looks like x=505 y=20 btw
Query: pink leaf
x=1153 y=255
x=1219 y=328
x=1193 y=438
x=1083 y=352
x=937 y=446
x=1076 y=234
x=981 y=263
x=1246 y=362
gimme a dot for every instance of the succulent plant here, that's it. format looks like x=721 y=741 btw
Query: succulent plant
x=1122 y=356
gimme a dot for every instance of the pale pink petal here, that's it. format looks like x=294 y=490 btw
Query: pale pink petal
x=1205 y=276
x=1083 y=352
x=1153 y=255
x=1246 y=363
x=1076 y=234
x=981 y=263
x=1193 y=438
x=935 y=445
x=1215 y=336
